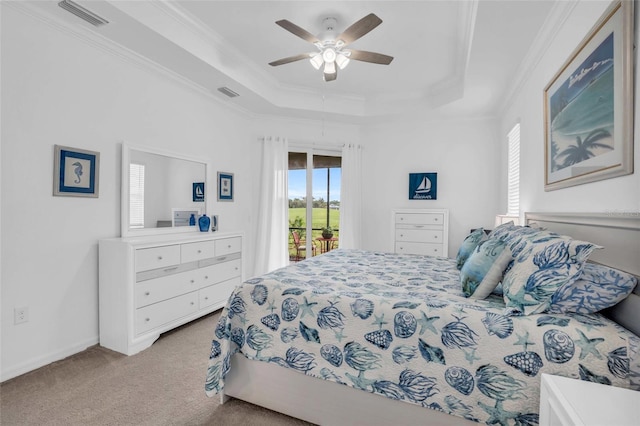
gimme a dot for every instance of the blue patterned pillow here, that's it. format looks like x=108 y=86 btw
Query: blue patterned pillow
x=598 y=287
x=501 y=230
x=468 y=245
x=542 y=263
x=482 y=272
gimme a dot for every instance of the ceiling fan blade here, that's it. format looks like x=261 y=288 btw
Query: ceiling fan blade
x=359 y=29
x=375 y=58
x=290 y=59
x=300 y=32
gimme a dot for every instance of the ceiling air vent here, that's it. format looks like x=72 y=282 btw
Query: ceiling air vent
x=83 y=13
x=230 y=93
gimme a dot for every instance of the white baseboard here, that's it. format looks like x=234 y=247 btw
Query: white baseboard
x=41 y=361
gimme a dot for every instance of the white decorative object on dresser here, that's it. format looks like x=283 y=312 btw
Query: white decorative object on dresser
x=151 y=284
x=421 y=231
x=565 y=401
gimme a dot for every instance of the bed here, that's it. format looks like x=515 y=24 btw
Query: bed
x=361 y=337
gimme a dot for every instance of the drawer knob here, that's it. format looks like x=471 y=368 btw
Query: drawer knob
x=435 y=219
x=402 y=235
x=192 y=281
x=192 y=303
x=147 y=319
x=206 y=298
x=199 y=251
x=229 y=246
x=147 y=293
x=436 y=237
x=159 y=257
x=206 y=277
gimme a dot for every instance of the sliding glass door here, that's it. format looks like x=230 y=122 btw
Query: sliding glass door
x=314 y=202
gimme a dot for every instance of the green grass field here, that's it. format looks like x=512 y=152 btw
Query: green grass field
x=319 y=217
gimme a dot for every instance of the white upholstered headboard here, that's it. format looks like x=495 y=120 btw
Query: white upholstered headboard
x=619 y=234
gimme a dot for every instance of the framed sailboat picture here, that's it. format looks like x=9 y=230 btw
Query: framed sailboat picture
x=588 y=106
x=423 y=186
x=198 y=191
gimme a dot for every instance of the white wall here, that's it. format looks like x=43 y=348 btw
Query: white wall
x=57 y=89
x=618 y=195
x=464 y=153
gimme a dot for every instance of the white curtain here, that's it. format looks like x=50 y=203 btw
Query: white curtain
x=351 y=197
x=273 y=208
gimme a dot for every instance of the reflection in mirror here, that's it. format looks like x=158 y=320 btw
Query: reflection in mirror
x=160 y=190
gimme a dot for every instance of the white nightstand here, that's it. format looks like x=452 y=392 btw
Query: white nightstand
x=565 y=401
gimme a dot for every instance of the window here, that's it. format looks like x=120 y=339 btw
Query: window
x=136 y=194
x=314 y=200
x=513 y=173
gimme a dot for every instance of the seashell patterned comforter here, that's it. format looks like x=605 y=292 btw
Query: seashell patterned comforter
x=398 y=325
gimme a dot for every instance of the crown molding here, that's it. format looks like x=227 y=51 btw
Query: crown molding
x=106 y=45
x=557 y=17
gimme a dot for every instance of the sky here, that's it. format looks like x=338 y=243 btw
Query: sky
x=298 y=189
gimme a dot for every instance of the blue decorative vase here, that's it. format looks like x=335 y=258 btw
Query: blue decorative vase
x=204 y=223
x=192 y=220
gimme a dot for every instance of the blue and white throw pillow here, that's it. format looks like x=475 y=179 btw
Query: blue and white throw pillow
x=598 y=287
x=468 y=245
x=483 y=270
x=501 y=230
x=542 y=263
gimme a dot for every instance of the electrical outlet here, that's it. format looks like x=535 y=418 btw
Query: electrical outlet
x=20 y=315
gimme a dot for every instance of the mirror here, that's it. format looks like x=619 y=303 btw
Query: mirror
x=160 y=191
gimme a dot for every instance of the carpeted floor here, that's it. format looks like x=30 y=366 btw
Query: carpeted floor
x=162 y=385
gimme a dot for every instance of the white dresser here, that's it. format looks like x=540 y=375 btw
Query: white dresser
x=421 y=231
x=565 y=401
x=149 y=285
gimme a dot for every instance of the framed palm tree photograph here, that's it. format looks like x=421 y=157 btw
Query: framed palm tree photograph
x=588 y=106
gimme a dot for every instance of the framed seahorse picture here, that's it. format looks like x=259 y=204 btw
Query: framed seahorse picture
x=75 y=172
x=588 y=106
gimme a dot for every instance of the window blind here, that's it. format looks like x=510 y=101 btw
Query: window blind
x=513 y=173
x=136 y=195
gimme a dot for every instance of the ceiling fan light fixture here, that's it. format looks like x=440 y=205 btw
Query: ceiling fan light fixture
x=316 y=60
x=329 y=67
x=342 y=60
x=329 y=55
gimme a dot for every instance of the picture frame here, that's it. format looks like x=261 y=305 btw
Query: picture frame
x=225 y=186
x=198 y=192
x=588 y=106
x=423 y=186
x=76 y=172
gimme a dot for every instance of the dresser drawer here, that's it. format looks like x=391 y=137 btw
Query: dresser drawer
x=419 y=248
x=197 y=251
x=219 y=272
x=158 y=289
x=228 y=245
x=218 y=293
x=419 y=235
x=420 y=218
x=157 y=257
x=161 y=313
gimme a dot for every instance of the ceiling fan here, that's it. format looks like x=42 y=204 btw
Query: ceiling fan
x=331 y=51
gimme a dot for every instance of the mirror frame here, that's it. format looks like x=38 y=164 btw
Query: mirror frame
x=125 y=230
